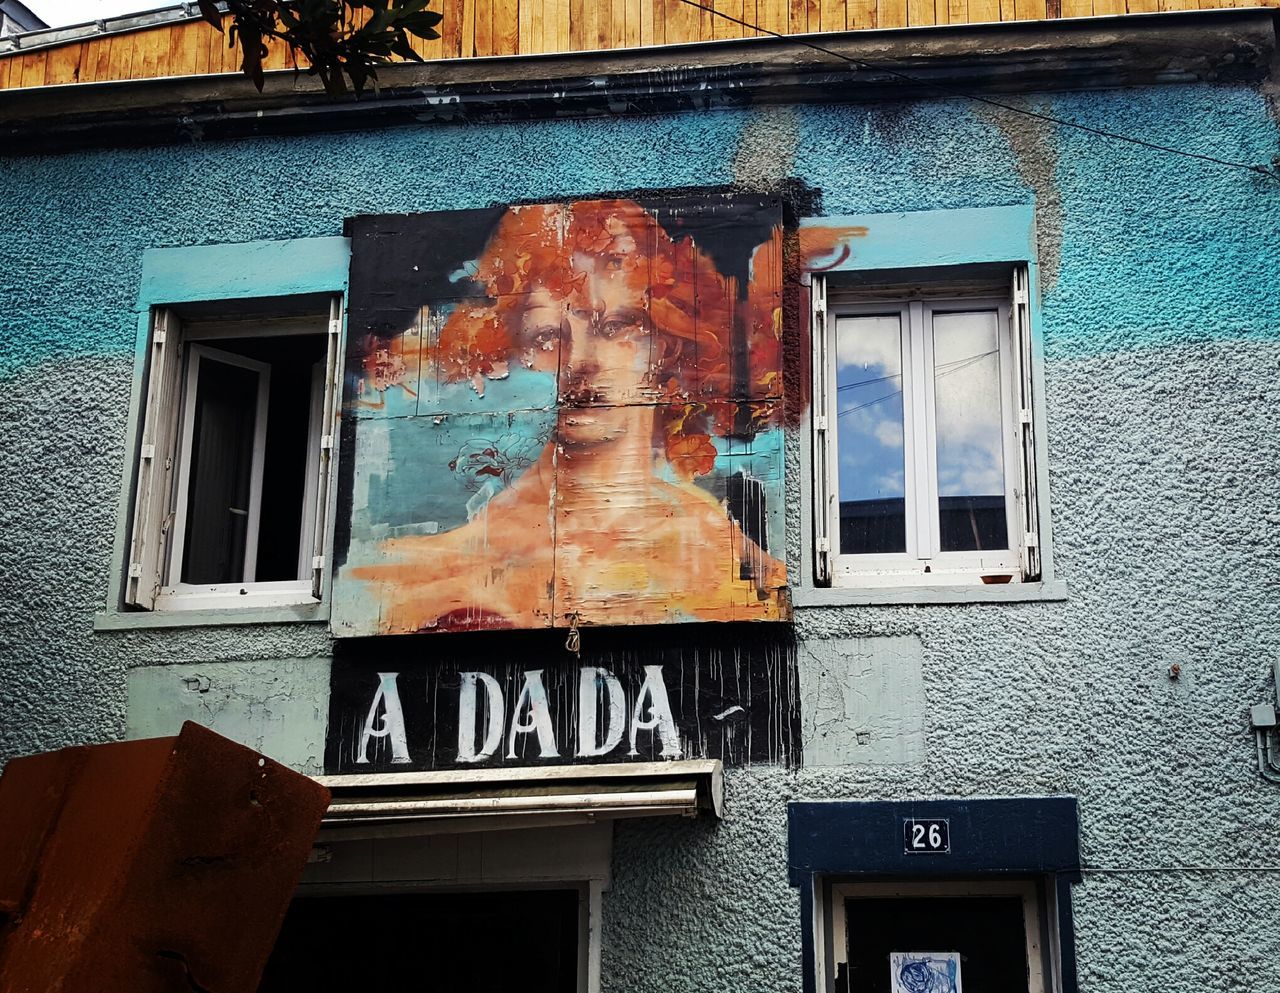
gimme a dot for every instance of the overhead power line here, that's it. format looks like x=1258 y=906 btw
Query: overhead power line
x=1261 y=170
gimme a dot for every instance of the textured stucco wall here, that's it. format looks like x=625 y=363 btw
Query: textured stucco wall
x=1161 y=319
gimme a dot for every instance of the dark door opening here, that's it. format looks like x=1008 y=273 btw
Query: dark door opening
x=478 y=942
x=988 y=932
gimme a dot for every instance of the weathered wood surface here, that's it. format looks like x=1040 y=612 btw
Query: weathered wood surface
x=479 y=28
x=563 y=414
x=508 y=700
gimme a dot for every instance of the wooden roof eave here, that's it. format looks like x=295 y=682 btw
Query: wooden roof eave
x=1235 y=45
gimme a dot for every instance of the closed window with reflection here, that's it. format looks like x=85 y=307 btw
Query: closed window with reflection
x=923 y=438
x=869 y=405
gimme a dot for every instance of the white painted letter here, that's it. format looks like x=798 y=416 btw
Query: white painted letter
x=615 y=715
x=467 y=695
x=533 y=695
x=392 y=720
x=654 y=691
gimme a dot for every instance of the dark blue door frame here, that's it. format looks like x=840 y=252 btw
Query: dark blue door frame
x=850 y=840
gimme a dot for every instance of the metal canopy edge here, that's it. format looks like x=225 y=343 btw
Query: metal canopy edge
x=496 y=799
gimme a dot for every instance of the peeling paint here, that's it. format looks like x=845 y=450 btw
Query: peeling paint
x=765 y=155
x=1035 y=151
x=862 y=701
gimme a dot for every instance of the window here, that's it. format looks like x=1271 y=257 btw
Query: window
x=939 y=936
x=923 y=434
x=234 y=461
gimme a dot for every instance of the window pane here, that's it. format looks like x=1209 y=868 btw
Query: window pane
x=222 y=463
x=869 y=427
x=971 y=487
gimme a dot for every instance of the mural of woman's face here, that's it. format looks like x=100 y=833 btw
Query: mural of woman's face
x=603 y=333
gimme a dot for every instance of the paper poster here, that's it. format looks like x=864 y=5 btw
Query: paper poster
x=924 y=972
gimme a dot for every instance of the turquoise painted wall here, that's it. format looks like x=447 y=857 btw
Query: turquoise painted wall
x=1161 y=318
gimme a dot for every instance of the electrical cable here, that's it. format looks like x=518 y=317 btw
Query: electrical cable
x=1133 y=870
x=1271 y=174
x=958 y=364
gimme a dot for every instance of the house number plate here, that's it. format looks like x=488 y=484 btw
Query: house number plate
x=926 y=836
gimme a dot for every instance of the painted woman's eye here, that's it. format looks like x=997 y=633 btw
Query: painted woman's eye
x=629 y=324
x=613 y=262
x=543 y=336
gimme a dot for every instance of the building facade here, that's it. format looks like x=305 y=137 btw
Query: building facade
x=749 y=514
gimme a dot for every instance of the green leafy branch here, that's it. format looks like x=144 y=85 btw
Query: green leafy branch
x=328 y=34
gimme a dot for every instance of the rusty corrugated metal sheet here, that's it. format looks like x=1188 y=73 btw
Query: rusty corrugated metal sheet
x=148 y=866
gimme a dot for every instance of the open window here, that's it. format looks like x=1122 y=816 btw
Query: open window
x=923 y=434
x=235 y=459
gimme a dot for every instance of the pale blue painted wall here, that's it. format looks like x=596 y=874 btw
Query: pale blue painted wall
x=1161 y=316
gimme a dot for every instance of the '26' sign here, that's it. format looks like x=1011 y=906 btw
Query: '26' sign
x=926 y=836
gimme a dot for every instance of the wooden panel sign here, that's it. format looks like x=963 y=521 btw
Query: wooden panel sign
x=738 y=703
x=563 y=414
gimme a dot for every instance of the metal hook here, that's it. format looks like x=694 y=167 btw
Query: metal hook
x=573 y=643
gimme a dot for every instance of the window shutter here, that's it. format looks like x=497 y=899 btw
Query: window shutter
x=151 y=513
x=1028 y=497
x=328 y=436
x=822 y=493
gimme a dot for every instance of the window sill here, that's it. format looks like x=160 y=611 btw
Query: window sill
x=852 y=596
x=119 y=620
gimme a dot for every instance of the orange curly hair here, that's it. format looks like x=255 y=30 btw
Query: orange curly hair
x=700 y=321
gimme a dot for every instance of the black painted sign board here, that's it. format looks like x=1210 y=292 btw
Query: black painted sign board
x=506 y=700
x=1030 y=835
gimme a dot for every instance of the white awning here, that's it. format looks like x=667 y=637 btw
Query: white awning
x=500 y=799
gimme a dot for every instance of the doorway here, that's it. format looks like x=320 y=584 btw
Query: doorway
x=938 y=937
x=490 y=942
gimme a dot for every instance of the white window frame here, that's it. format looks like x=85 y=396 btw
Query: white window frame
x=922 y=564
x=161 y=488
x=1042 y=969
x=196 y=355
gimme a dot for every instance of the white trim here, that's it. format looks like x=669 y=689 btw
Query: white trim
x=182 y=457
x=323 y=468
x=917 y=390
x=146 y=559
x=310 y=612
x=1024 y=399
x=307 y=547
x=682 y=800
x=455 y=801
x=589 y=978
x=676 y=769
x=823 y=975
x=526 y=796
x=923 y=563
x=822 y=374
x=190 y=596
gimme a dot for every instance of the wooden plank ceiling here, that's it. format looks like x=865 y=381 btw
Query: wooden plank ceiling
x=478 y=28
